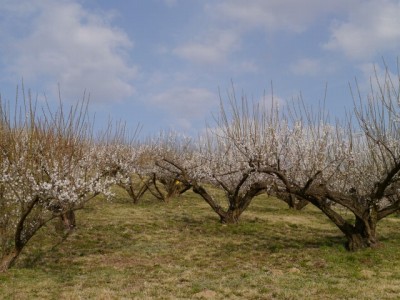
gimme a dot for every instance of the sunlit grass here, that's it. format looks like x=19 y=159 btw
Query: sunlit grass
x=179 y=250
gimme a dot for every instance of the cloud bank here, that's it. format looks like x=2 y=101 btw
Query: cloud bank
x=65 y=43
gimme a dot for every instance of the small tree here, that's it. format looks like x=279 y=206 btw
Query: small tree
x=212 y=163
x=48 y=168
x=127 y=159
x=165 y=185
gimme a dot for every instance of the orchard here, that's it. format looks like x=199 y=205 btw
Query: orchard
x=52 y=164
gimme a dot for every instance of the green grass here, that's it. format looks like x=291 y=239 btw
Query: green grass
x=178 y=250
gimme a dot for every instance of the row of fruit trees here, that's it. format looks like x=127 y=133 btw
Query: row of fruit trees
x=52 y=163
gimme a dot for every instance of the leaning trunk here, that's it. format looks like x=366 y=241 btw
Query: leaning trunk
x=224 y=216
x=8 y=259
x=361 y=234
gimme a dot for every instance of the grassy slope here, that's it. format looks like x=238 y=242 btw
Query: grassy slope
x=179 y=250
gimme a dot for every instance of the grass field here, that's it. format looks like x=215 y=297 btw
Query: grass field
x=179 y=250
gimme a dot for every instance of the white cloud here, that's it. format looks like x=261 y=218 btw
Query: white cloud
x=213 y=49
x=185 y=102
x=307 y=66
x=372 y=28
x=246 y=66
x=293 y=15
x=232 y=20
x=66 y=44
x=184 y=108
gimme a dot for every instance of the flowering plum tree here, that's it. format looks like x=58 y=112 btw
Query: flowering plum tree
x=332 y=166
x=214 y=162
x=137 y=170
x=128 y=159
x=165 y=184
x=261 y=135
x=49 y=167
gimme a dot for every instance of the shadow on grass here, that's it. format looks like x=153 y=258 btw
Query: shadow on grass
x=261 y=235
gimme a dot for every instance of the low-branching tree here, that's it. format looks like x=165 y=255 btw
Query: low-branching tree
x=213 y=163
x=130 y=159
x=343 y=169
x=49 y=167
x=137 y=171
x=165 y=184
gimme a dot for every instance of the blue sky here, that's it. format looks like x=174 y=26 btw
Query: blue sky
x=161 y=63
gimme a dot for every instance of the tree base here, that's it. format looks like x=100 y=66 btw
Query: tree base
x=357 y=242
x=8 y=260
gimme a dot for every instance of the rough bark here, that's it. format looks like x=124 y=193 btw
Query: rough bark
x=362 y=237
x=355 y=242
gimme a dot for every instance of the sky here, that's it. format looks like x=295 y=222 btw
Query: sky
x=166 y=64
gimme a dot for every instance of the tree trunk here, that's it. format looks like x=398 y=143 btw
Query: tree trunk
x=231 y=216
x=355 y=241
x=68 y=220
x=8 y=260
x=364 y=233
x=359 y=235
x=198 y=189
